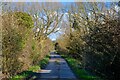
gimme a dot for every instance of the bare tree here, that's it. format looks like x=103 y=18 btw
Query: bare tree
x=47 y=21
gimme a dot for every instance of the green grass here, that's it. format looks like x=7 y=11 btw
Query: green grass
x=25 y=74
x=34 y=68
x=31 y=70
x=79 y=72
x=21 y=76
x=44 y=62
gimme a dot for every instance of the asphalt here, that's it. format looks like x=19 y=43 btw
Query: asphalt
x=57 y=69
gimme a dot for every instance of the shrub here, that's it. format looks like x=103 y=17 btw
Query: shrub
x=44 y=61
x=14 y=40
x=103 y=44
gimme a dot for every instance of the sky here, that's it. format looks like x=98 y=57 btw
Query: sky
x=60 y=0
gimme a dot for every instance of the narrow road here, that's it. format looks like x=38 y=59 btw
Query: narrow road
x=57 y=69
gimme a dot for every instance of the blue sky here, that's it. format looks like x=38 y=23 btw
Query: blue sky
x=60 y=0
x=66 y=0
x=41 y=0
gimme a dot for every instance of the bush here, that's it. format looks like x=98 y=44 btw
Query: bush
x=13 y=41
x=103 y=46
x=44 y=62
x=21 y=48
x=97 y=44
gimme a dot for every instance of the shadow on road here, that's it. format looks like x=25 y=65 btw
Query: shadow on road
x=57 y=69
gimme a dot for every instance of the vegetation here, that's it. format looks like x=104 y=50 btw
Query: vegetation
x=44 y=62
x=21 y=76
x=13 y=42
x=33 y=69
x=93 y=39
x=21 y=49
x=76 y=67
x=89 y=36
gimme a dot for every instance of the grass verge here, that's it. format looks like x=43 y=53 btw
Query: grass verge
x=23 y=75
x=44 y=62
x=77 y=69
